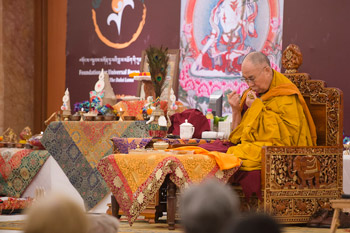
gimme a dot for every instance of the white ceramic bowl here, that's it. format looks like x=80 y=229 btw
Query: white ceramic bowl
x=160 y=145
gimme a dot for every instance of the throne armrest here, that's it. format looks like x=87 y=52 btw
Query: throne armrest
x=295 y=167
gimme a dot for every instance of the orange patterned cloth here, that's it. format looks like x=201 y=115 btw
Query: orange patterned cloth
x=134 y=179
x=132 y=108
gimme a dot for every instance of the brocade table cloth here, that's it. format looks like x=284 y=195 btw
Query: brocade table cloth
x=78 y=146
x=18 y=167
x=134 y=179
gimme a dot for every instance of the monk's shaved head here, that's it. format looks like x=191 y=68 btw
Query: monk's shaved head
x=257 y=59
x=257 y=71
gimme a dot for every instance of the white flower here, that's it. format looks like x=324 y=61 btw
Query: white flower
x=167 y=163
x=159 y=174
x=140 y=198
x=219 y=174
x=178 y=172
x=125 y=195
x=117 y=182
x=186 y=185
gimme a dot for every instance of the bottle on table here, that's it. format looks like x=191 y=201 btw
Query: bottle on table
x=210 y=117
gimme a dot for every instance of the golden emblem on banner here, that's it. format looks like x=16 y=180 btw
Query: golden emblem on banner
x=118 y=7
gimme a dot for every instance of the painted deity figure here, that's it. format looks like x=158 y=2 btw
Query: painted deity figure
x=231 y=22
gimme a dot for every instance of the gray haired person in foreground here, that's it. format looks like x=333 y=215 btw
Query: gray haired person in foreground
x=209 y=207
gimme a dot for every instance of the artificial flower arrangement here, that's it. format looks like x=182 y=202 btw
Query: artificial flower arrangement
x=87 y=106
x=346 y=139
x=148 y=108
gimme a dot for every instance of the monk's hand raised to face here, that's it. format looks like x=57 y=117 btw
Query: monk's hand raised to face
x=251 y=96
x=233 y=100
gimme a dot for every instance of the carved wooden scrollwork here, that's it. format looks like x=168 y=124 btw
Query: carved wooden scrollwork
x=319 y=94
x=304 y=206
x=300 y=180
x=306 y=171
x=281 y=207
x=292 y=58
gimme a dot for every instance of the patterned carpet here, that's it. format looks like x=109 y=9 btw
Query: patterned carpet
x=145 y=227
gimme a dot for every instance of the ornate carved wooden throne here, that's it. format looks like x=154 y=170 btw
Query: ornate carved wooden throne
x=296 y=181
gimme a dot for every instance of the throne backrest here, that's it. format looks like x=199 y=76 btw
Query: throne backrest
x=325 y=104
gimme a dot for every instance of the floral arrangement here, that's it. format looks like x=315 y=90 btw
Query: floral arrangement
x=82 y=106
x=86 y=106
x=158 y=64
x=148 y=108
x=346 y=139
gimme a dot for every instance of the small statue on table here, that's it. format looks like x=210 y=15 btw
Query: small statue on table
x=103 y=92
x=172 y=106
x=10 y=138
x=109 y=95
x=66 y=110
x=25 y=135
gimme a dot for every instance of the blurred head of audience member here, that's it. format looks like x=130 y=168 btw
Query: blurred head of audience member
x=255 y=223
x=103 y=224
x=208 y=207
x=56 y=213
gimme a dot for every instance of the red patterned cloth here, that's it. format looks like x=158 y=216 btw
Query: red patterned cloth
x=18 y=167
x=10 y=159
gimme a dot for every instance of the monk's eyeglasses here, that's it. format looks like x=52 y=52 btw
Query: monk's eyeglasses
x=248 y=80
x=252 y=80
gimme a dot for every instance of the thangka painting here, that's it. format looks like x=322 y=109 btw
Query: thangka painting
x=215 y=37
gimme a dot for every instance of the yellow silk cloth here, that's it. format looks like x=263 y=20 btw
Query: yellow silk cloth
x=138 y=168
x=135 y=178
x=279 y=118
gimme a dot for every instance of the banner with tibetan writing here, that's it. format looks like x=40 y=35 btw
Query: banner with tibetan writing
x=215 y=37
x=110 y=35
